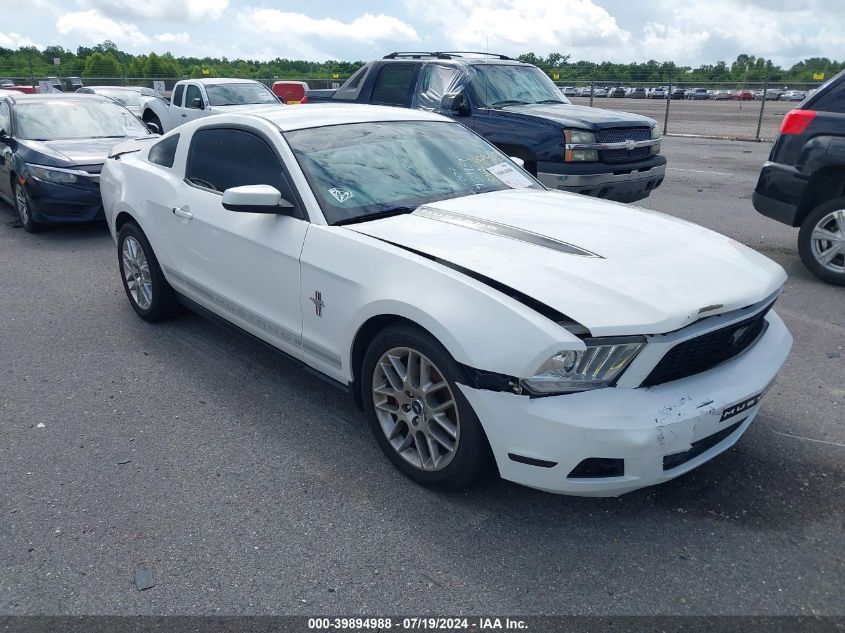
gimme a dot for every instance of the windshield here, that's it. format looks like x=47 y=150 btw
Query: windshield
x=499 y=85
x=123 y=97
x=55 y=120
x=239 y=94
x=363 y=170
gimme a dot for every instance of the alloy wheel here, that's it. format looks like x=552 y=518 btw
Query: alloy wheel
x=136 y=273
x=827 y=241
x=416 y=408
x=21 y=202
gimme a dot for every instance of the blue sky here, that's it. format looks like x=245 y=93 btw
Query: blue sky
x=686 y=31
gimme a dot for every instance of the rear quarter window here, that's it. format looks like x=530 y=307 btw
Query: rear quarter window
x=164 y=152
x=832 y=100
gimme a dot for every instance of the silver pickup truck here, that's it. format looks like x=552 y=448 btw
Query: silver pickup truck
x=195 y=98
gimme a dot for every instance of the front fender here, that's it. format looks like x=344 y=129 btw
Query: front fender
x=359 y=277
x=161 y=109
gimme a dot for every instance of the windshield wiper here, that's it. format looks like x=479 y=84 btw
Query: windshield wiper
x=509 y=102
x=117 y=136
x=384 y=213
x=549 y=101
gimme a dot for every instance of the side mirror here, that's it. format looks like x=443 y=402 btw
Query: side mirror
x=455 y=103
x=255 y=199
x=518 y=161
x=153 y=127
x=197 y=103
x=5 y=139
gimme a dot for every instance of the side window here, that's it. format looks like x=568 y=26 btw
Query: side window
x=178 y=94
x=435 y=81
x=5 y=118
x=222 y=158
x=193 y=92
x=833 y=101
x=352 y=88
x=393 y=86
x=164 y=152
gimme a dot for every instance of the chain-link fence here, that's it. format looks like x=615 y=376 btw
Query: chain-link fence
x=739 y=110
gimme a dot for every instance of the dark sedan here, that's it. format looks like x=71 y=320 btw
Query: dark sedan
x=52 y=148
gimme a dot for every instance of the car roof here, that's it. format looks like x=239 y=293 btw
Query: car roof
x=288 y=118
x=55 y=97
x=116 y=88
x=222 y=80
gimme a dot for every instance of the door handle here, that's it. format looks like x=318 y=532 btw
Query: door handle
x=180 y=212
x=184 y=115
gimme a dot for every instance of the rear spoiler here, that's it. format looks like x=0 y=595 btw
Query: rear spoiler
x=131 y=146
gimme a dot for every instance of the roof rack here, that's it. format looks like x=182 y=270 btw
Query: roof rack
x=440 y=54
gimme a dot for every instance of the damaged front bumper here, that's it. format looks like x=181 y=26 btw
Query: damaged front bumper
x=653 y=434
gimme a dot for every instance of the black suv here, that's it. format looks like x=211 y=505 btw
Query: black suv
x=608 y=154
x=803 y=182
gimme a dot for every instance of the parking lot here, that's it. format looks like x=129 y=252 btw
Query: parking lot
x=248 y=486
x=724 y=118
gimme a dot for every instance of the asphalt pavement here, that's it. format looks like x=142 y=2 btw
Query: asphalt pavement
x=247 y=486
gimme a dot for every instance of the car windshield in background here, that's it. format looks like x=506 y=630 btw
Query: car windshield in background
x=364 y=170
x=55 y=120
x=239 y=94
x=497 y=85
x=123 y=97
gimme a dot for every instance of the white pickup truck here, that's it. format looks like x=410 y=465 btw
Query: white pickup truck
x=195 y=98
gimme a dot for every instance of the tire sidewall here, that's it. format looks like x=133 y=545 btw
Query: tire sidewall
x=805 y=241
x=162 y=301
x=472 y=458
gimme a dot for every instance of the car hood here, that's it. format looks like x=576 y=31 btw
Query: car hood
x=613 y=268
x=69 y=152
x=568 y=115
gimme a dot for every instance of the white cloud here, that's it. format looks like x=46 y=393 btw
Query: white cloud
x=671 y=42
x=298 y=26
x=514 y=26
x=178 y=38
x=16 y=40
x=93 y=27
x=168 y=10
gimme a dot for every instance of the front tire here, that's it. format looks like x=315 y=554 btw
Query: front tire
x=23 y=206
x=417 y=412
x=821 y=241
x=153 y=118
x=150 y=295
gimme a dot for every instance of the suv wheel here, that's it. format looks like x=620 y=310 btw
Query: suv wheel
x=821 y=241
x=150 y=295
x=417 y=412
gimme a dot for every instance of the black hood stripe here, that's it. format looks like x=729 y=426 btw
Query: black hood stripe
x=529 y=302
x=502 y=230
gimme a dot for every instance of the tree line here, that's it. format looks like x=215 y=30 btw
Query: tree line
x=107 y=60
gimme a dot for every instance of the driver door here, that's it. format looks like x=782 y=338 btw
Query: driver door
x=242 y=266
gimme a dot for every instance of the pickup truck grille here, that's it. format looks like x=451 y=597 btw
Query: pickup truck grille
x=619 y=135
x=708 y=350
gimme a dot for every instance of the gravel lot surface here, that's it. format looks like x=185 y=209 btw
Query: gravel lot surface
x=247 y=486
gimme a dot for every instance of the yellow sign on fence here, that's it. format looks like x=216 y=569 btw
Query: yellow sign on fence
x=205 y=71
x=818 y=76
x=556 y=76
x=335 y=75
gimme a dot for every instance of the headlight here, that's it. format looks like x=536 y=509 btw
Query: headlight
x=655 y=134
x=579 y=137
x=597 y=366
x=52 y=175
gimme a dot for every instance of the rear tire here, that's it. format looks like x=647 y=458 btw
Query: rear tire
x=424 y=424
x=821 y=241
x=150 y=295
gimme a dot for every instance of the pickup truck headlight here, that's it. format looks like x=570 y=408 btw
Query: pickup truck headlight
x=655 y=134
x=52 y=175
x=579 y=137
x=597 y=366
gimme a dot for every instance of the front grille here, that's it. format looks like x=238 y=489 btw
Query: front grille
x=708 y=350
x=699 y=447
x=619 y=135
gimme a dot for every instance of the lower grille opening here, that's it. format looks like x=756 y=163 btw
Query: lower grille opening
x=699 y=447
x=598 y=468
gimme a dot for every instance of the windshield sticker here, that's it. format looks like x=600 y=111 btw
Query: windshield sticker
x=341 y=195
x=509 y=175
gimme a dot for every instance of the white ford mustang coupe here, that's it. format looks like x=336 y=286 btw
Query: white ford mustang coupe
x=585 y=347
